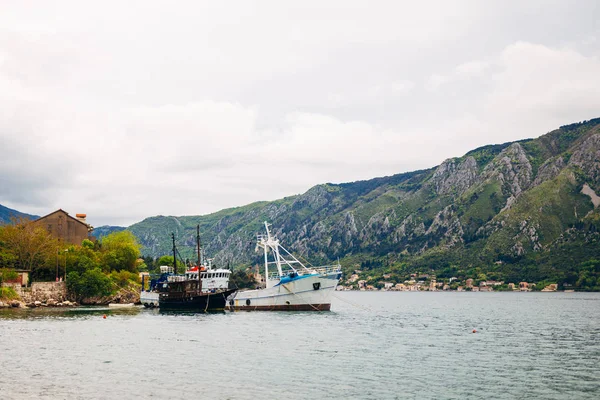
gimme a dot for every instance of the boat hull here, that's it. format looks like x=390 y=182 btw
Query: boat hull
x=307 y=293
x=195 y=302
x=285 y=307
x=149 y=299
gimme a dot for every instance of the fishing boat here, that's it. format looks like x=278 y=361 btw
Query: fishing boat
x=212 y=279
x=292 y=286
x=184 y=292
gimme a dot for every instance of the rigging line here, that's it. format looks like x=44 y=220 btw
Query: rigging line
x=207 y=301
x=366 y=308
x=306 y=260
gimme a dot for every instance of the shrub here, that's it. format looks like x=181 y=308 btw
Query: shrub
x=7 y=275
x=91 y=283
x=8 y=293
x=124 y=278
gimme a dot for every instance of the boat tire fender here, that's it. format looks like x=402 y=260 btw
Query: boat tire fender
x=247 y=302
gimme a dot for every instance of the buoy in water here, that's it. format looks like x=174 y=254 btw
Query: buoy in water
x=104 y=316
x=474 y=330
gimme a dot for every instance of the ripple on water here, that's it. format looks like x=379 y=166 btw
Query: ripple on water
x=386 y=345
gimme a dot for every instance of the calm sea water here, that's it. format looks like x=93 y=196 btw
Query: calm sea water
x=379 y=345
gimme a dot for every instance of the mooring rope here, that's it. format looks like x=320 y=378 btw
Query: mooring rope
x=352 y=303
x=207 y=301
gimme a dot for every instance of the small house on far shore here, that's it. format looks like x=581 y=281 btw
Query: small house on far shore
x=64 y=227
x=20 y=280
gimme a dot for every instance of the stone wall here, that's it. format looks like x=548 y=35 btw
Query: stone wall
x=42 y=291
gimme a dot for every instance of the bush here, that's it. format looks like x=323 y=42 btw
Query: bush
x=8 y=293
x=91 y=283
x=124 y=278
x=7 y=275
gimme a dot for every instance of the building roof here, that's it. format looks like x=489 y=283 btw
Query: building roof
x=61 y=210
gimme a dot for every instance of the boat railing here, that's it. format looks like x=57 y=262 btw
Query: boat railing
x=176 y=278
x=322 y=270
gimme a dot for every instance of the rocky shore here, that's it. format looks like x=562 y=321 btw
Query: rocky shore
x=54 y=294
x=36 y=304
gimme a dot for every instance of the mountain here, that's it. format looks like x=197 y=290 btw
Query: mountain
x=7 y=213
x=101 y=231
x=525 y=210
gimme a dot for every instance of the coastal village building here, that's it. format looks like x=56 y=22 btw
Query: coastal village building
x=65 y=227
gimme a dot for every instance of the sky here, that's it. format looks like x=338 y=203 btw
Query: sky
x=126 y=110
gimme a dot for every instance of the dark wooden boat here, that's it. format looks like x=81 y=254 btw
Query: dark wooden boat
x=184 y=292
x=187 y=295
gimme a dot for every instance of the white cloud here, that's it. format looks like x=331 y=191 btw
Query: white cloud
x=472 y=69
x=435 y=81
x=402 y=87
x=537 y=84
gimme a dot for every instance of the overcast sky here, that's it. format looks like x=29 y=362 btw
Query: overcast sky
x=125 y=110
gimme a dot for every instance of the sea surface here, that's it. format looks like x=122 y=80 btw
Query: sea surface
x=372 y=345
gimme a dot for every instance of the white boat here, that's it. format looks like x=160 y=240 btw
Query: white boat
x=292 y=287
x=213 y=279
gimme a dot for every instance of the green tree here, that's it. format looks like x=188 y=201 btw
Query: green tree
x=31 y=245
x=120 y=251
x=91 y=283
x=241 y=280
x=165 y=260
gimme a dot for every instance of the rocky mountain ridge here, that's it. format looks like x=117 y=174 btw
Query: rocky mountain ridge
x=505 y=205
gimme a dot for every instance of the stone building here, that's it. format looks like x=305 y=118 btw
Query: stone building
x=66 y=228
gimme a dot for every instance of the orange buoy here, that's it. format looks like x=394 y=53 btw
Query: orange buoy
x=474 y=330
x=104 y=316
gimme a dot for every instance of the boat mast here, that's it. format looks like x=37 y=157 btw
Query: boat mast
x=199 y=259
x=174 y=254
x=266 y=267
x=198 y=245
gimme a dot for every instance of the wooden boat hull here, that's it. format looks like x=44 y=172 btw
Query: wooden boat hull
x=194 y=301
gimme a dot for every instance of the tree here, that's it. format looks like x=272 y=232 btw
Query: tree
x=120 y=250
x=31 y=245
x=241 y=280
x=91 y=283
x=165 y=260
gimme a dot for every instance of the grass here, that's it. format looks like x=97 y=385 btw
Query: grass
x=8 y=293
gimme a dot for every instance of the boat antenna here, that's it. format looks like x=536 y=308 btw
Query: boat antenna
x=174 y=254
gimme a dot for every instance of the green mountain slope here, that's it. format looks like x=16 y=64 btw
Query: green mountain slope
x=521 y=210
